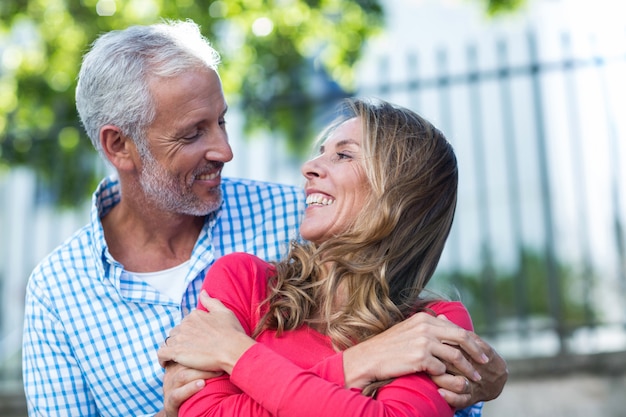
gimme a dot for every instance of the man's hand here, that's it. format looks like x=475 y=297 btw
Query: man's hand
x=179 y=384
x=460 y=392
x=421 y=343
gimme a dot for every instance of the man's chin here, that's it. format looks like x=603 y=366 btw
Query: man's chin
x=207 y=208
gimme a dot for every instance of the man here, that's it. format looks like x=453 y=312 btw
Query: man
x=100 y=305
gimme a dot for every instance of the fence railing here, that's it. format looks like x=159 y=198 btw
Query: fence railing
x=537 y=251
x=538 y=248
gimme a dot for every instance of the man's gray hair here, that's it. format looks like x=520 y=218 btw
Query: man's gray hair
x=113 y=79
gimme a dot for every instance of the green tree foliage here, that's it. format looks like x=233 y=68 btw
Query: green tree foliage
x=523 y=292
x=268 y=48
x=498 y=7
x=271 y=52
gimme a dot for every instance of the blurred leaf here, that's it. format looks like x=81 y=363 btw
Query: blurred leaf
x=281 y=59
x=506 y=301
x=267 y=47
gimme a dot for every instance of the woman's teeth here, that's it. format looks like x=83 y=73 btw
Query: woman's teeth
x=319 y=199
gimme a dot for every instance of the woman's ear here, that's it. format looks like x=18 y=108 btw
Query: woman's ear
x=119 y=149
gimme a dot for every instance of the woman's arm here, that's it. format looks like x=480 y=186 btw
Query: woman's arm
x=376 y=349
x=263 y=383
x=449 y=353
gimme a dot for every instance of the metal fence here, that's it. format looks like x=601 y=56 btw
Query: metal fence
x=537 y=251
x=538 y=248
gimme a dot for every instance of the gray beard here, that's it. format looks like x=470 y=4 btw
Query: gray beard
x=162 y=189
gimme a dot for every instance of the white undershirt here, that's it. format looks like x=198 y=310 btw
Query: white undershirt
x=170 y=282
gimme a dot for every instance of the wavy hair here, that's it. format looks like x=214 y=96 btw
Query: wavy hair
x=361 y=282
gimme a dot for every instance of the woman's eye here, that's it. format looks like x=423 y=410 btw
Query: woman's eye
x=341 y=155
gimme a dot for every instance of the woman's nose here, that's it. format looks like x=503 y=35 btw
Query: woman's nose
x=311 y=168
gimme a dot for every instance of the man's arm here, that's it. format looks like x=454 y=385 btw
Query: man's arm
x=423 y=343
x=53 y=381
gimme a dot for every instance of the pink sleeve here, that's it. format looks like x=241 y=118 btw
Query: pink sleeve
x=239 y=280
x=331 y=368
x=286 y=390
x=264 y=383
x=455 y=311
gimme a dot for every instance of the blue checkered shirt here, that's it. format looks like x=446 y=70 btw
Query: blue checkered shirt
x=91 y=332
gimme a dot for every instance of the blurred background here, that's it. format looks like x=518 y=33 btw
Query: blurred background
x=531 y=93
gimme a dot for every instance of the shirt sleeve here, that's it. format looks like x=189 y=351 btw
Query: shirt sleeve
x=53 y=381
x=475 y=410
x=264 y=383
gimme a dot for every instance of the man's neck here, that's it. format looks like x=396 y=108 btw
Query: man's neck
x=146 y=240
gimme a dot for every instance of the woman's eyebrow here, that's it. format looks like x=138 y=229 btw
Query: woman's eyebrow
x=345 y=142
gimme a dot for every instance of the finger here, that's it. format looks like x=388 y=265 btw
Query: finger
x=456 y=362
x=177 y=376
x=489 y=351
x=458 y=401
x=205 y=300
x=434 y=366
x=163 y=356
x=174 y=400
x=453 y=383
x=210 y=303
x=196 y=374
x=469 y=342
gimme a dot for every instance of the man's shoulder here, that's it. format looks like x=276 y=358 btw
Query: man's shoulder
x=71 y=255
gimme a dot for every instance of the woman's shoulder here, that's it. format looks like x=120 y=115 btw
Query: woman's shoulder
x=241 y=260
x=455 y=311
x=236 y=267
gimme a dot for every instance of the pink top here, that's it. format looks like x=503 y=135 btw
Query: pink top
x=299 y=374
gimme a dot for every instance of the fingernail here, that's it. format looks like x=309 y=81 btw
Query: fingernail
x=200 y=383
x=477 y=376
x=484 y=358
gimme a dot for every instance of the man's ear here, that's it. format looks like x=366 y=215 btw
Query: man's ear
x=119 y=149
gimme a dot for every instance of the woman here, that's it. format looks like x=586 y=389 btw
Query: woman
x=381 y=197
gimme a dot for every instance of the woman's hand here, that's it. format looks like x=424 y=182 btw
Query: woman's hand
x=211 y=340
x=421 y=343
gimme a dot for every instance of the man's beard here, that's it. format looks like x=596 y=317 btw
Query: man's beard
x=163 y=189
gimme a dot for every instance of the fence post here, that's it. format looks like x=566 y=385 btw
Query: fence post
x=554 y=286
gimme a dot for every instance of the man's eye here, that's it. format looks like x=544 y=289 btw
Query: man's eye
x=193 y=136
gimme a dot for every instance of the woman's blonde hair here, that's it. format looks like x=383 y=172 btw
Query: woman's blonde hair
x=375 y=271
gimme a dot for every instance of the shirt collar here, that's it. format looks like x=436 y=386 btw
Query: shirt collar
x=107 y=195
